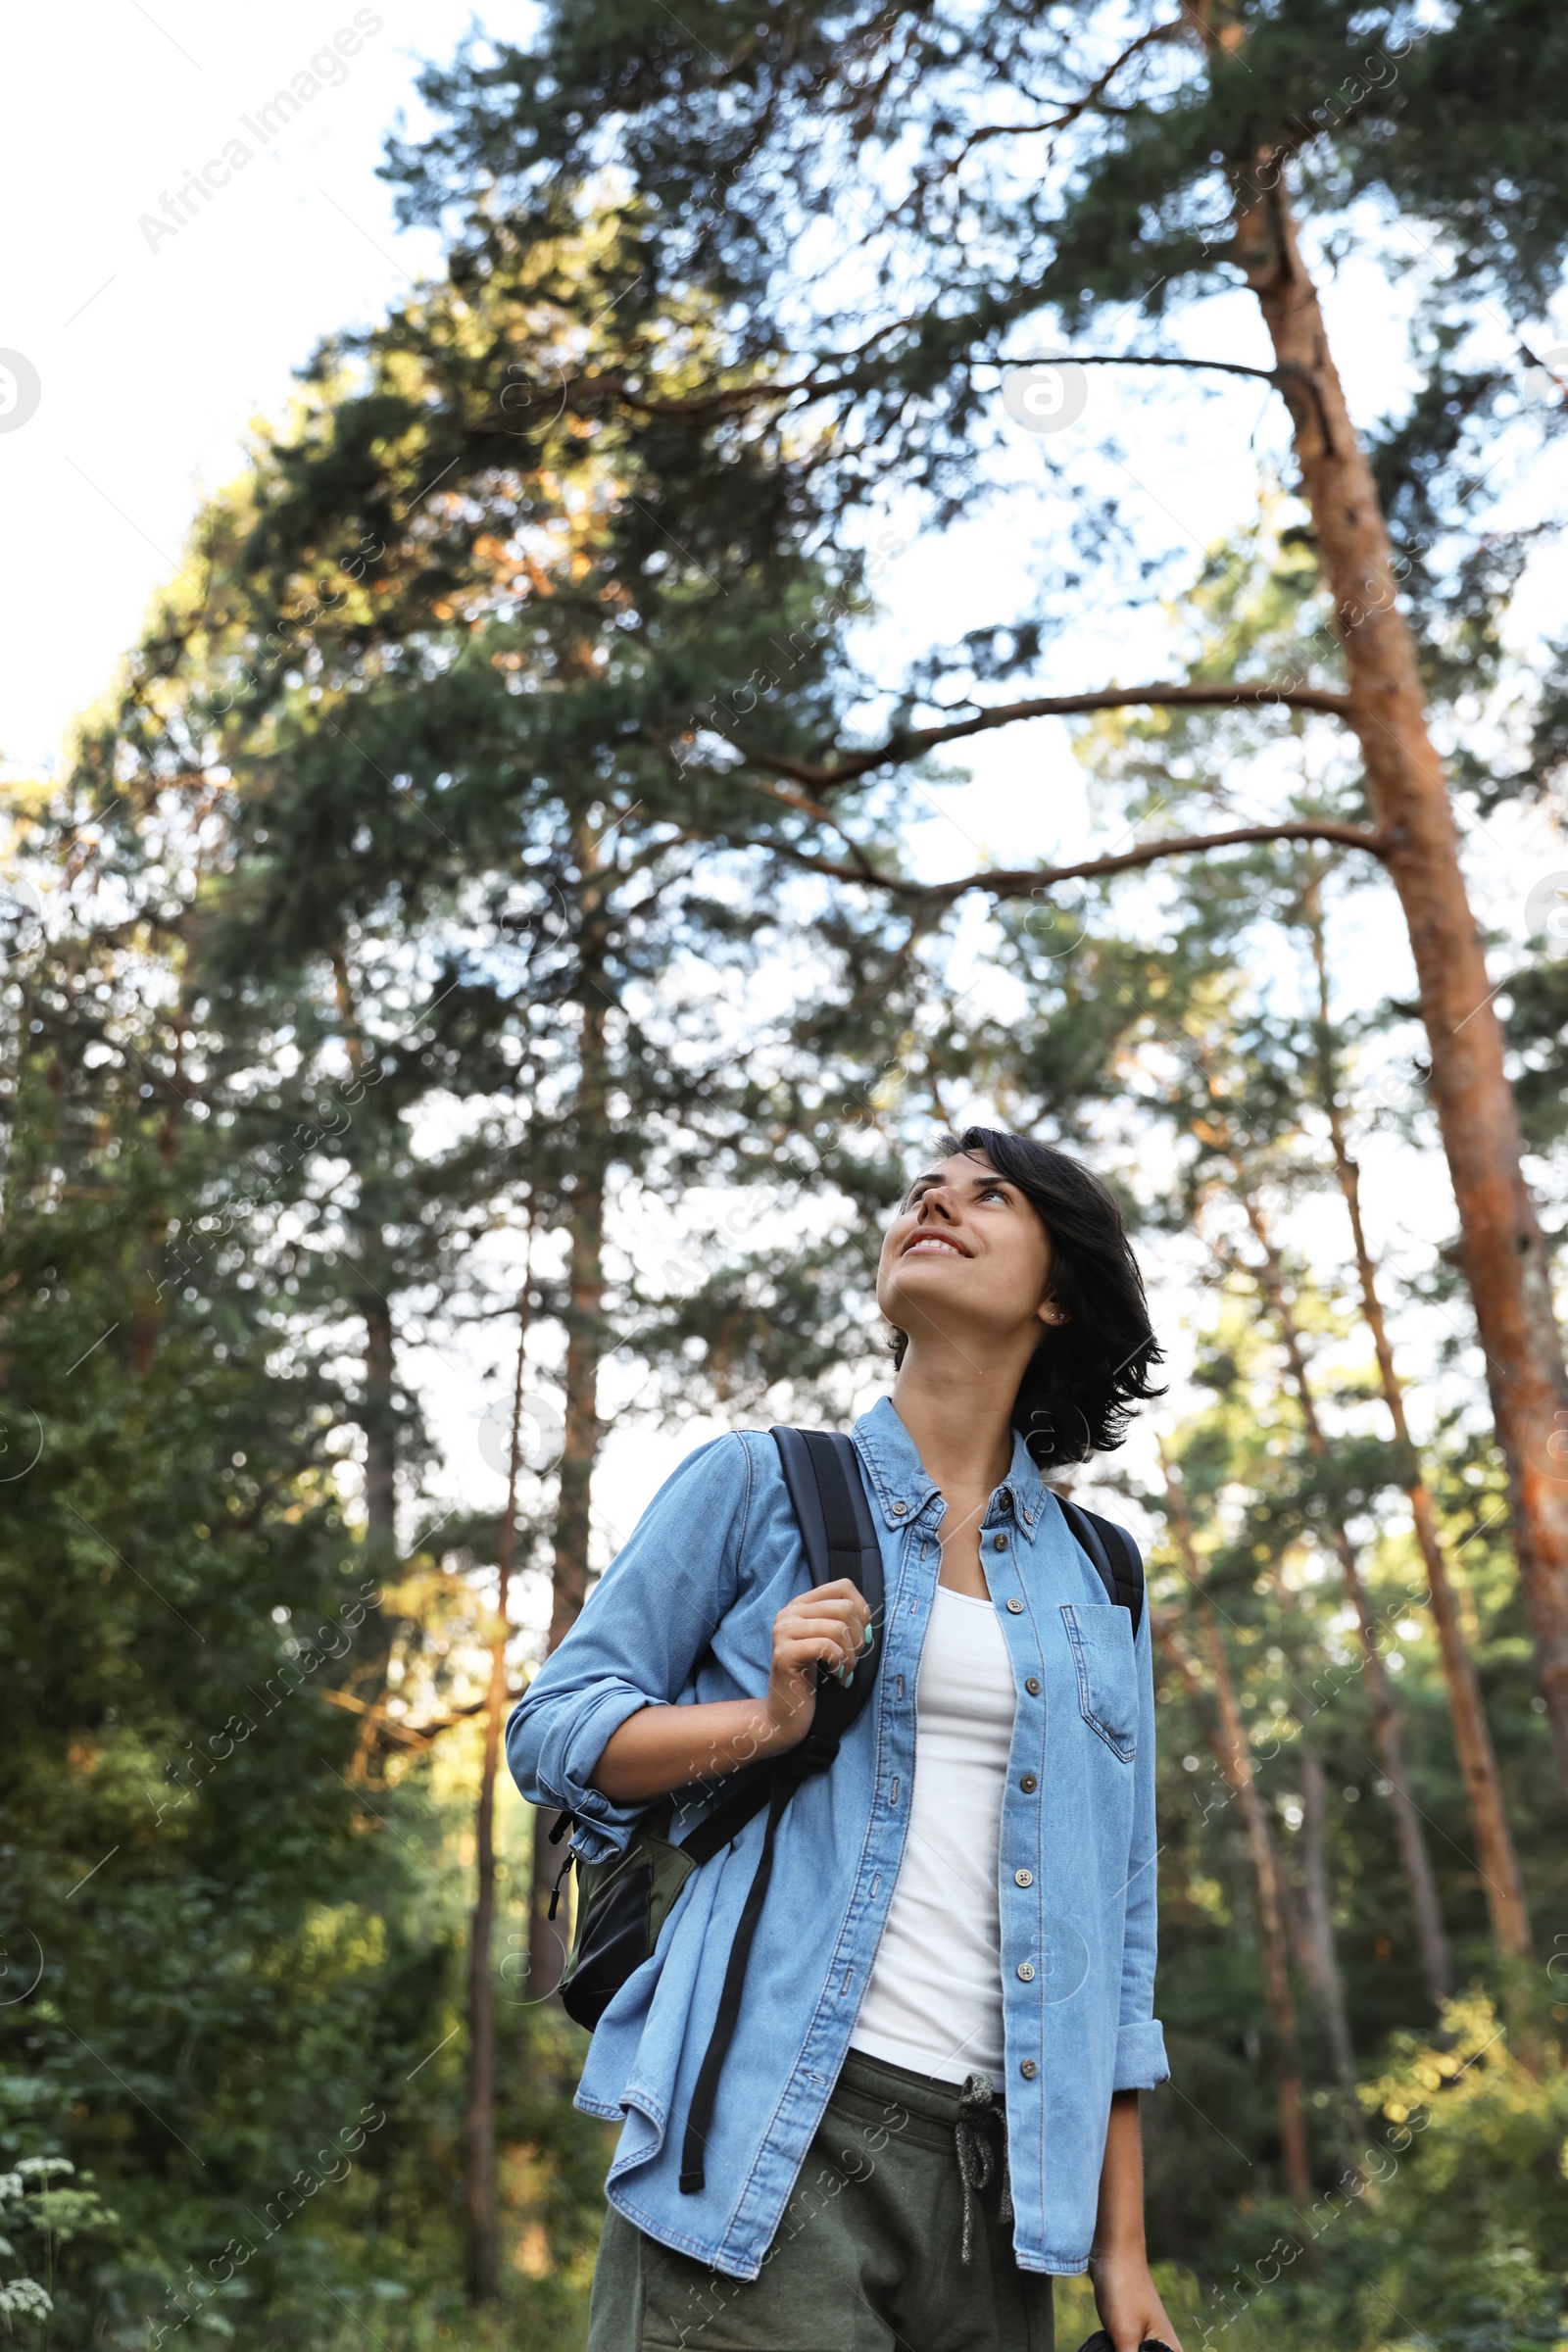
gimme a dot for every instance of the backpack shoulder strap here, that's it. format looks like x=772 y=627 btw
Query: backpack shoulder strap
x=1114 y=1556
x=822 y=1472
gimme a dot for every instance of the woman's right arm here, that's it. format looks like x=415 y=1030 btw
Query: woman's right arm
x=630 y=1656
x=660 y=1748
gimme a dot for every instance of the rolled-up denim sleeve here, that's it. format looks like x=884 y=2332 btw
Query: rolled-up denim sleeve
x=1140 y=2060
x=645 y=1626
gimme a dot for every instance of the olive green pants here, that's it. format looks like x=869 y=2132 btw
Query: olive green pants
x=868 y=2256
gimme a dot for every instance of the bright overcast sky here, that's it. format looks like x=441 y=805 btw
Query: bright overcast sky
x=152 y=358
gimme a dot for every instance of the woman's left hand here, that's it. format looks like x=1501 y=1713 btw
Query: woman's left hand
x=1128 y=2302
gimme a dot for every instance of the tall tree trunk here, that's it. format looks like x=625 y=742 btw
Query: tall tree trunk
x=1435 y=1961
x=1234 y=1754
x=1472 y=1735
x=479 y=2122
x=1321 y=1949
x=378 y=1419
x=1502 y=1251
x=1310 y=1915
x=377 y=1409
x=584 y=1337
x=1265 y=1867
x=160 y=1270
x=585 y=1344
x=378 y=1422
x=380 y=1433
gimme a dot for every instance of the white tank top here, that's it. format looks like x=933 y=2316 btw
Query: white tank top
x=934 y=2000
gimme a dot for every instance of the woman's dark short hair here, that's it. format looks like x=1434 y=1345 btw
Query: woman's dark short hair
x=1089 y=1372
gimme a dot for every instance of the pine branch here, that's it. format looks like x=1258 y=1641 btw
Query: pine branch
x=913 y=743
x=390 y=1730
x=1003 y=882
x=732 y=399
x=1287 y=376
x=1071 y=107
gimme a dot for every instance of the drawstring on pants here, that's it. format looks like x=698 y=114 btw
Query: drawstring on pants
x=981 y=2123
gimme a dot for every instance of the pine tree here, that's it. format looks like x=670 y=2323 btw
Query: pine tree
x=1055 y=171
x=465 y=909
x=225 y=1975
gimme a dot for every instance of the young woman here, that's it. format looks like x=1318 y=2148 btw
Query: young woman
x=929 y=2104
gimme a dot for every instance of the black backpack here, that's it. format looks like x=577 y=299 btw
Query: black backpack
x=1114 y=1555
x=624 y=1903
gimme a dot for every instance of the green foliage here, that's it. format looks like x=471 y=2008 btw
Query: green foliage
x=976 y=207
x=1448 y=2224
x=390 y=915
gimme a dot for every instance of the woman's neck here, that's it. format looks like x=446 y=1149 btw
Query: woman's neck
x=959 y=1417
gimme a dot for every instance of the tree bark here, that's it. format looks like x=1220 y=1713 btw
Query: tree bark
x=585 y=1342
x=1498 y=1863
x=1233 y=1755
x=1309 y=1913
x=1321 y=1948
x=584 y=1337
x=378 y=1409
x=157 y=1271
x=1501 y=1248
x=379 y=1423
x=479 y=2120
x=381 y=1431
x=1431 y=1936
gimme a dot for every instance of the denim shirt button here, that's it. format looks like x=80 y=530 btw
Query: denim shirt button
x=899 y=1509
x=1015 y=1606
x=1026 y=1972
x=1028 y=2069
x=1028 y=1783
x=1000 y=1542
x=1032 y=1686
x=1023 y=1878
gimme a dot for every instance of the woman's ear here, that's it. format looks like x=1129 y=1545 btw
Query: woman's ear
x=1050 y=1312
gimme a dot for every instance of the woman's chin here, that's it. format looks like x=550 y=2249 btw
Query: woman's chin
x=926 y=1286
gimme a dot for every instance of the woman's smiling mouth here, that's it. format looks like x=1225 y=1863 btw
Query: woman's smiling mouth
x=933 y=1241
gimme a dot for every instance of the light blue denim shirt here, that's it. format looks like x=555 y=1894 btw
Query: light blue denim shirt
x=686 y=1613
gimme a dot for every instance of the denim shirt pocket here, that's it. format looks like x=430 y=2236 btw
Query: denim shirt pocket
x=1102 y=1642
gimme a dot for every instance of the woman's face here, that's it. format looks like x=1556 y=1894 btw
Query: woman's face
x=966 y=1255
